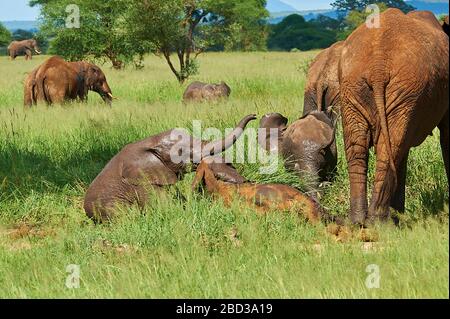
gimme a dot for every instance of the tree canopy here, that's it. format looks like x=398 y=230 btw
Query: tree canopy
x=5 y=36
x=294 y=32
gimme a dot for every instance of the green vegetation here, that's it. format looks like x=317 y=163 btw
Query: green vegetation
x=5 y=38
x=187 y=245
x=295 y=33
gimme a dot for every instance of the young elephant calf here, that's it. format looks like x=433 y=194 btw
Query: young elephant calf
x=308 y=145
x=263 y=197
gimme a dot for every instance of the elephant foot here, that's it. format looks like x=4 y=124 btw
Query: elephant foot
x=377 y=215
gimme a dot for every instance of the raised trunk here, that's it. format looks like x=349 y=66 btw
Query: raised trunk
x=219 y=146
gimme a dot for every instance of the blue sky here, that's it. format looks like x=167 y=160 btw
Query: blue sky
x=308 y=4
x=19 y=9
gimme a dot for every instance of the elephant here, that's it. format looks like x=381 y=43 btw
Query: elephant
x=57 y=81
x=308 y=145
x=149 y=165
x=200 y=92
x=25 y=47
x=322 y=87
x=393 y=93
x=262 y=197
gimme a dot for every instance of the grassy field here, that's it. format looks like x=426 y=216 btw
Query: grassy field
x=195 y=247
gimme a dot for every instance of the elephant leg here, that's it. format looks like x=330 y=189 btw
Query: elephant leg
x=28 y=55
x=356 y=140
x=398 y=199
x=444 y=132
x=384 y=184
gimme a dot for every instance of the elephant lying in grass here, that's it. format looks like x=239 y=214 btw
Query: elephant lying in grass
x=308 y=145
x=57 y=81
x=201 y=92
x=263 y=197
x=149 y=165
x=393 y=93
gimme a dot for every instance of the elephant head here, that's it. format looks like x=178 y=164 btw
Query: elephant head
x=307 y=145
x=271 y=123
x=95 y=80
x=34 y=45
x=150 y=164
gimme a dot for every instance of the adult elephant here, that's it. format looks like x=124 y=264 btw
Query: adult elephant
x=25 y=47
x=200 y=92
x=393 y=93
x=57 y=81
x=149 y=165
x=322 y=86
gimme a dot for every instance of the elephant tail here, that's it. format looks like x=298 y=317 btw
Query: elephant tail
x=379 y=89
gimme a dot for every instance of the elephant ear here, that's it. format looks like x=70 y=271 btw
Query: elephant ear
x=147 y=168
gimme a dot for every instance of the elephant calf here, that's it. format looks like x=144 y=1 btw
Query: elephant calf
x=57 y=81
x=25 y=47
x=308 y=145
x=200 y=92
x=263 y=197
x=149 y=165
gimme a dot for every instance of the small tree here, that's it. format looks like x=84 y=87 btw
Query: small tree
x=187 y=28
x=5 y=36
x=100 y=35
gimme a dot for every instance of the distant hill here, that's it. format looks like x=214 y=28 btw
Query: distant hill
x=12 y=26
x=436 y=6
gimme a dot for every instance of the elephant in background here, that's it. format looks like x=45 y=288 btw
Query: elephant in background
x=200 y=92
x=308 y=145
x=393 y=93
x=322 y=87
x=25 y=47
x=149 y=165
x=57 y=81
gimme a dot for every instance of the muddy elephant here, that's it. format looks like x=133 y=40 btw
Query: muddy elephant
x=393 y=93
x=322 y=87
x=149 y=165
x=57 y=81
x=307 y=145
x=25 y=47
x=200 y=92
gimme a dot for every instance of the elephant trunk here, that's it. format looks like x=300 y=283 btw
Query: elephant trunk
x=219 y=146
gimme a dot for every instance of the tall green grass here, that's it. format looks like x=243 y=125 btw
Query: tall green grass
x=185 y=244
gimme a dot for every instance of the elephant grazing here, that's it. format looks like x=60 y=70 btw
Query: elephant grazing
x=57 y=81
x=25 y=47
x=148 y=165
x=393 y=93
x=308 y=145
x=200 y=92
x=322 y=87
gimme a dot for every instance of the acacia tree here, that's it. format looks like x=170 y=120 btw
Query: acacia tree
x=186 y=28
x=101 y=34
